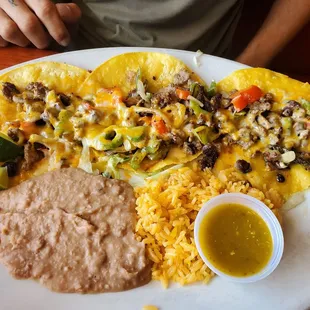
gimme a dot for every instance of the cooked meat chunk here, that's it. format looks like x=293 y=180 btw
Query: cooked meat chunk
x=303 y=159
x=181 y=78
x=216 y=101
x=36 y=91
x=259 y=107
x=189 y=148
x=246 y=138
x=289 y=108
x=66 y=101
x=31 y=156
x=16 y=135
x=9 y=90
x=133 y=98
x=177 y=138
x=164 y=97
x=209 y=157
x=243 y=166
x=267 y=97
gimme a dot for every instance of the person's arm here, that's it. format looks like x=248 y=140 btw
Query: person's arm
x=285 y=19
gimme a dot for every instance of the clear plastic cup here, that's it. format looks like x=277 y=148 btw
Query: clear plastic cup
x=266 y=214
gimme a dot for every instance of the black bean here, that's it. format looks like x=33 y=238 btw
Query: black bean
x=40 y=122
x=209 y=157
x=280 y=178
x=243 y=166
x=64 y=99
x=12 y=168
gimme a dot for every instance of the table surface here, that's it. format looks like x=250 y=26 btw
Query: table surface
x=10 y=56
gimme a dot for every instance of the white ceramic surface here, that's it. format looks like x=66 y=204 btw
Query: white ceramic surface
x=288 y=288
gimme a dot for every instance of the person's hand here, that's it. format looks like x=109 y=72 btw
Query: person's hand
x=35 y=21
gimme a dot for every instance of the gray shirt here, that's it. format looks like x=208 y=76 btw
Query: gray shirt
x=207 y=25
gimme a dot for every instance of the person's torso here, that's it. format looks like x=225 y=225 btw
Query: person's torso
x=182 y=24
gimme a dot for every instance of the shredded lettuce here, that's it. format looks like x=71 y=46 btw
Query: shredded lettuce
x=198 y=54
x=85 y=163
x=211 y=91
x=111 y=169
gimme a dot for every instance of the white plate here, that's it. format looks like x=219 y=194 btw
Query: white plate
x=287 y=288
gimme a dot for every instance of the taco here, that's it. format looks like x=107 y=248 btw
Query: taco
x=34 y=100
x=146 y=92
x=270 y=117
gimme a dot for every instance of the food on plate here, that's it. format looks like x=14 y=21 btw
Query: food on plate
x=167 y=207
x=148 y=119
x=267 y=125
x=73 y=232
x=31 y=100
x=236 y=240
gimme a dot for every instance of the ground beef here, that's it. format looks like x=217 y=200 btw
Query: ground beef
x=133 y=98
x=181 y=78
x=209 y=156
x=31 y=156
x=66 y=100
x=260 y=107
x=164 y=97
x=267 y=98
x=37 y=91
x=289 y=108
x=216 y=101
x=189 y=148
x=176 y=139
x=9 y=90
x=303 y=159
x=208 y=105
x=243 y=166
x=16 y=134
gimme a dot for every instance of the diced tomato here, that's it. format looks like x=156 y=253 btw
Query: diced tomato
x=240 y=102
x=246 y=96
x=159 y=125
x=182 y=94
x=29 y=128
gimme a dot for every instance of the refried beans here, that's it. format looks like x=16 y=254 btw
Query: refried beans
x=74 y=232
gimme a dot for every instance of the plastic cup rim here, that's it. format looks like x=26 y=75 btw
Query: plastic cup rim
x=269 y=218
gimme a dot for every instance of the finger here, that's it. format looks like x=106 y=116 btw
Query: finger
x=27 y=22
x=48 y=15
x=3 y=43
x=10 y=32
x=70 y=13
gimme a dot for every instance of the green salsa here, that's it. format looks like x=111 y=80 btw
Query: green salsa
x=236 y=240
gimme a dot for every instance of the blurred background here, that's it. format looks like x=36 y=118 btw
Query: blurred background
x=293 y=60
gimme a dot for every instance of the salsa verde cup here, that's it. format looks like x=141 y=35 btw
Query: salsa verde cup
x=265 y=213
